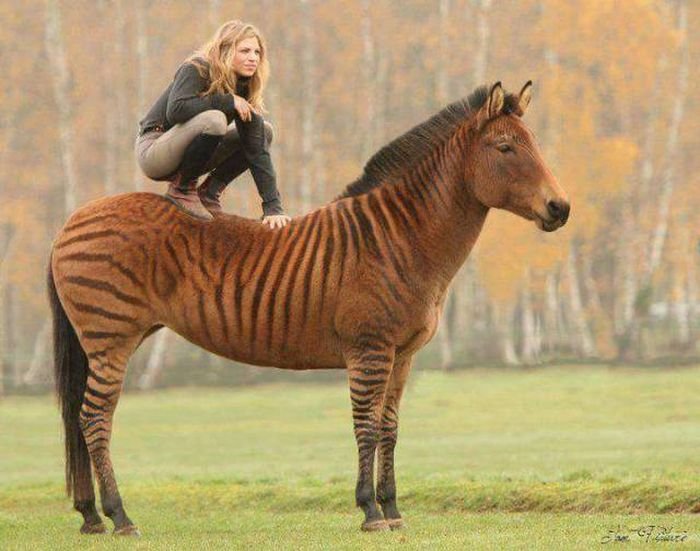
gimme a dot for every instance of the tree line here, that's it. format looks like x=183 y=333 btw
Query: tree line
x=612 y=111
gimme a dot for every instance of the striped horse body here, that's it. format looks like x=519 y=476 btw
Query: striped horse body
x=357 y=284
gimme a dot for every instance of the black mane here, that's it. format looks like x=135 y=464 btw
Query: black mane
x=418 y=142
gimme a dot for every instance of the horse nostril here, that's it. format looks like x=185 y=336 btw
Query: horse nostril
x=553 y=209
x=558 y=210
x=565 y=212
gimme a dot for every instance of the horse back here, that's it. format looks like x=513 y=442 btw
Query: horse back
x=125 y=264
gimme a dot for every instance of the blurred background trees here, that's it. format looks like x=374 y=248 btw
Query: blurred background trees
x=613 y=111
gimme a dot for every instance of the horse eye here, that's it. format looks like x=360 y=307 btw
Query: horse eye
x=504 y=148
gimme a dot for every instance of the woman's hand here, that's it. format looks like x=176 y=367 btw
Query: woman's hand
x=276 y=220
x=245 y=109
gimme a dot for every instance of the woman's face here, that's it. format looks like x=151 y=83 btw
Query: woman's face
x=247 y=57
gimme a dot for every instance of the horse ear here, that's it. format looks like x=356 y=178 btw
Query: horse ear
x=493 y=105
x=525 y=96
x=497 y=98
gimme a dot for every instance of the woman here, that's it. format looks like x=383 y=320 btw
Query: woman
x=208 y=120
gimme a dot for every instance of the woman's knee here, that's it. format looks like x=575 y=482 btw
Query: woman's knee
x=151 y=163
x=212 y=121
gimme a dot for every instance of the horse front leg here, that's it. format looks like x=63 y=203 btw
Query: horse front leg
x=386 y=483
x=369 y=368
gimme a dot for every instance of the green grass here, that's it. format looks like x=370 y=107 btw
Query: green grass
x=543 y=458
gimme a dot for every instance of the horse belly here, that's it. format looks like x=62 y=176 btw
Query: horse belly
x=292 y=344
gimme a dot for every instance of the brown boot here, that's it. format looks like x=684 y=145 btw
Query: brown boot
x=183 y=187
x=184 y=195
x=215 y=183
x=210 y=194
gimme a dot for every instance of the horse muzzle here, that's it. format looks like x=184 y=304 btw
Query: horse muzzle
x=556 y=216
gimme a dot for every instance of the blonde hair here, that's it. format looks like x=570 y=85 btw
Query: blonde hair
x=217 y=55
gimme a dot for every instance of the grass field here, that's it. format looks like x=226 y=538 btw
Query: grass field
x=534 y=459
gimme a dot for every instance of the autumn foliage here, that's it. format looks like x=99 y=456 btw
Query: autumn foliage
x=612 y=109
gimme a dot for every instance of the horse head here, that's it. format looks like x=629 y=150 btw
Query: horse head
x=505 y=168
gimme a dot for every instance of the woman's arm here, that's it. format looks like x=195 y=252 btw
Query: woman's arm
x=256 y=152
x=184 y=101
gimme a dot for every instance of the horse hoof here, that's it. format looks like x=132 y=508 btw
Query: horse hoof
x=375 y=526
x=396 y=523
x=129 y=530
x=98 y=528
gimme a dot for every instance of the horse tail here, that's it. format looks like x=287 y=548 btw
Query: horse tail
x=70 y=373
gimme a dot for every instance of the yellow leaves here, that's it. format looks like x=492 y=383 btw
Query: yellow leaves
x=508 y=247
x=612 y=47
x=501 y=255
x=614 y=162
x=594 y=174
x=600 y=67
x=28 y=249
x=593 y=169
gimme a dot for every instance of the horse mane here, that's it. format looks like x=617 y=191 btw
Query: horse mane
x=403 y=153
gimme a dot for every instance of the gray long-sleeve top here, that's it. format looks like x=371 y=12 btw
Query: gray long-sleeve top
x=181 y=101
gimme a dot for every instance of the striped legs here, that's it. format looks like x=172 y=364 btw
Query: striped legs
x=368 y=373
x=84 y=500
x=104 y=383
x=386 y=484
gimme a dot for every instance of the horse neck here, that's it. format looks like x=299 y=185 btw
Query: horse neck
x=448 y=219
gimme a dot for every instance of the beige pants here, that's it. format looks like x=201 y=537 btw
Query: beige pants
x=160 y=153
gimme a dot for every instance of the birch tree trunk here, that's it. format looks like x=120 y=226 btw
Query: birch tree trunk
x=538 y=337
x=38 y=372
x=483 y=34
x=60 y=81
x=442 y=93
x=442 y=81
x=111 y=122
x=589 y=284
x=7 y=232
x=628 y=263
x=682 y=309
x=693 y=298
x=662 y=197
x=467 y=320
x=553 y=322
x=382 y=93
x=669 y=173
x=602 y=323
x=529 y=350
x=583 y=341
x=9 y=319
x=124 y=132
x=280 y=79
x=214 y=14
x=444 y=335
x=503 y=320
x=309 y=104
x=142 y=55
x=3 y=342
x=646 y=173
x=5 y=252
x=369 y=80
x=156 y=360
x=8 y=348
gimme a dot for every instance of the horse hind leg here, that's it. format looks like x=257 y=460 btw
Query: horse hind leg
x=107 y=368
x=84 y=503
